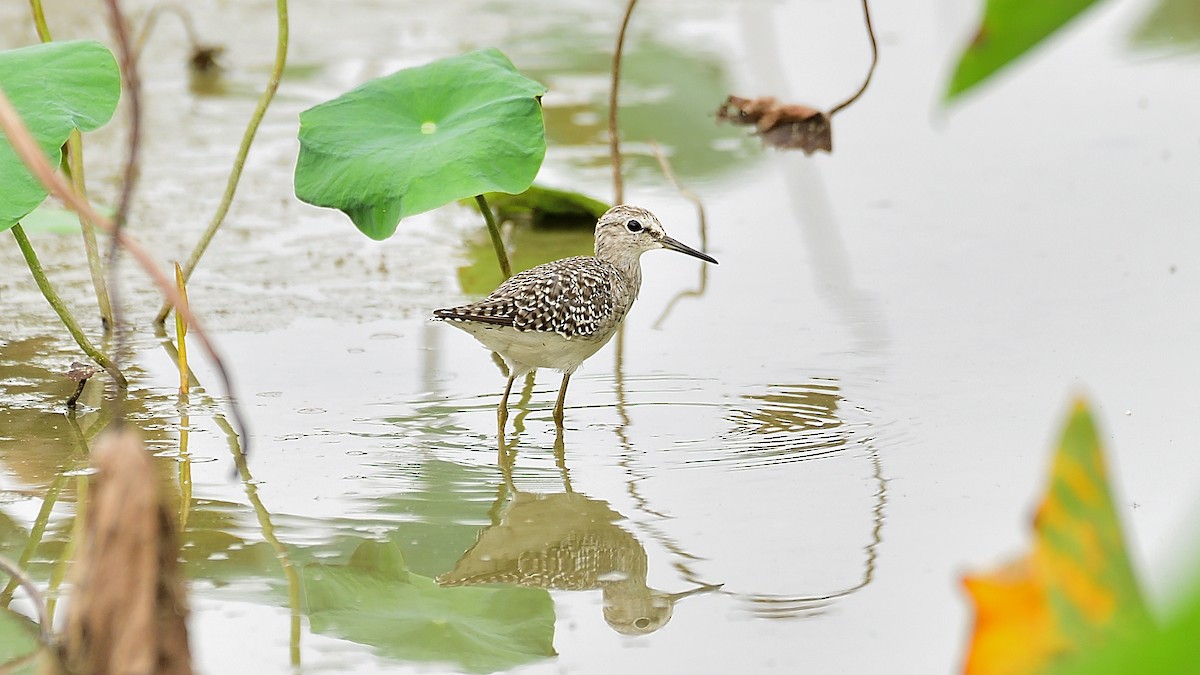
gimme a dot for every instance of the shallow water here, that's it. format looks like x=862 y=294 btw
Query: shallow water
x=855 y=407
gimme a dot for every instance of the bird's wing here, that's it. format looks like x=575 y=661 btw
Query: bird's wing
x=570 y=297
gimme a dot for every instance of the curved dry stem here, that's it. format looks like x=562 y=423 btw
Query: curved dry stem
x=29 y=152
x=35 y=596
x=614 y=140
x=133 y=87
x=281 y=47
x=874 y=62
x=152 y=19
x=687 y=194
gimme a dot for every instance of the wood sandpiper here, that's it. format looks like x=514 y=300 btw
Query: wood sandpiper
x=558 y=314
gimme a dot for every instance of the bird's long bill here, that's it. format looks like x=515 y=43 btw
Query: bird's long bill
x=670 y=243
x=707 y=588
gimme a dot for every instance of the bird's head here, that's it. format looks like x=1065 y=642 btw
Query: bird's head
x=625 y=232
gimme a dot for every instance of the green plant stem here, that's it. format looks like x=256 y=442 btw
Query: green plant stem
x=494 y=231
x=95 y=266
x=60 y=308
x=39 y=20
x=281 y=47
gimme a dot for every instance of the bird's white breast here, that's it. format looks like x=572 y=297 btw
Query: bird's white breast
x=525 y=351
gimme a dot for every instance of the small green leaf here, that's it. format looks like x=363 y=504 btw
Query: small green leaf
x=1009 y=29
x=56 y=87
x=547 y=206
x=421 y=138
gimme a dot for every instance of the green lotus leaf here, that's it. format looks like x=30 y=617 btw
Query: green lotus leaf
x=421 y=138
x=373 y=599
x=56 y=87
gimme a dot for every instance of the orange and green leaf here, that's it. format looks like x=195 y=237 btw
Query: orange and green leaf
x=1076 y=589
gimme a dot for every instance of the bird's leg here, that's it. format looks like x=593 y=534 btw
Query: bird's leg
x=560 y=459
x=562 y=396
x=502 y=409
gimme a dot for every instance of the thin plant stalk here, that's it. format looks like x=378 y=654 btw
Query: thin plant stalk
x=185 y=456
x=181 y=329
x=494 y=232
x=39 y=20
x=290 y=572
x=68 y=553
x=665 y=164
x=281 y=48
x=63 y=565
x=60 y=308
x=36 y=532
x=133 y=93
x=687 y=194
x=133 y=86
x=81 y=492
x=242 y=470
x=74 y=168
x=185 y=470
x=90 y=245
x=874 y=62
x=614 y=140
x=614 y=147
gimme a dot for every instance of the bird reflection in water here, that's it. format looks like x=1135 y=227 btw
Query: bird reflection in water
x=567 y=541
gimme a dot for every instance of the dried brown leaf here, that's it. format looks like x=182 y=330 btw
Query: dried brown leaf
x=80 y=372
x=781 y=125
x=205 y=59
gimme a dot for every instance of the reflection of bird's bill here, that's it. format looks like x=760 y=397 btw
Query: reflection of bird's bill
x=674 y=597
x=670 y=243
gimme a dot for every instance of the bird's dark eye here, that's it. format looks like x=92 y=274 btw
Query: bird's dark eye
x=633 y=226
